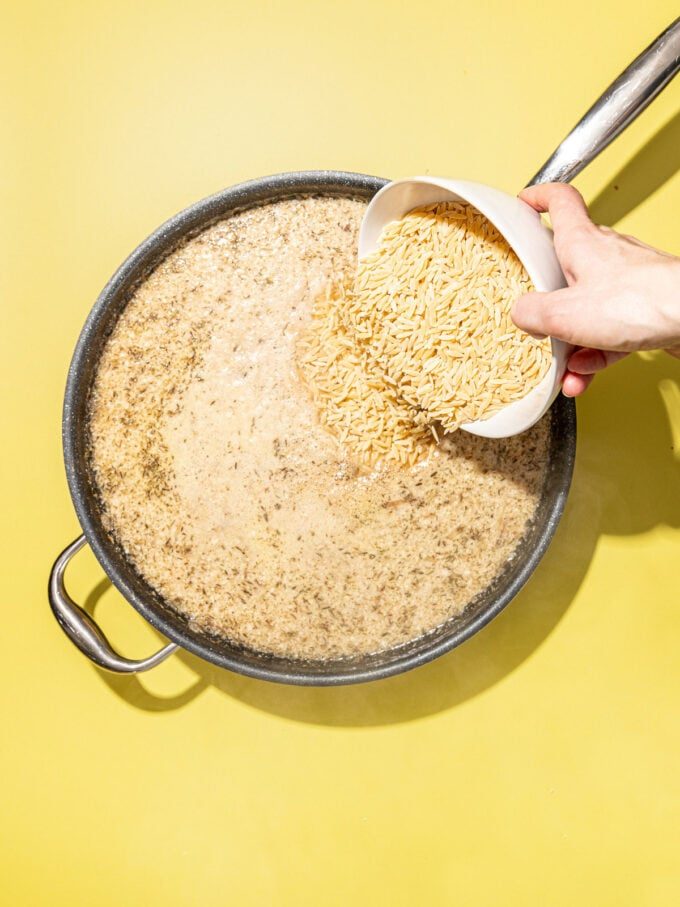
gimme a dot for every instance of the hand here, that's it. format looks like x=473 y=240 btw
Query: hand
x=622 y=295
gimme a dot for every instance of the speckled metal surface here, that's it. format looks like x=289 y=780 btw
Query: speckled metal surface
x=176 y=627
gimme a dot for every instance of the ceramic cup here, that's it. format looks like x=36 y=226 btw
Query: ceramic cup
x=531 y=240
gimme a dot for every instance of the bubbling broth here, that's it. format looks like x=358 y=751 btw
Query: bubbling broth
x=230 y=498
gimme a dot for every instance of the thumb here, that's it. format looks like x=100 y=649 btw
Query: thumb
x=567 y=314
x=544 y=314
x=563 y=203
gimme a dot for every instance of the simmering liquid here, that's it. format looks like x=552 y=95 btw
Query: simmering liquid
x=234 y=503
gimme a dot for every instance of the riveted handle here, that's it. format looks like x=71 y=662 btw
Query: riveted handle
x=84 y=632
x=614 y=110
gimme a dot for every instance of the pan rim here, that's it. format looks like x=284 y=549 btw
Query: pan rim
x=140 y=262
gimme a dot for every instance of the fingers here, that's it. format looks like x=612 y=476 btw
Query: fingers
x=564 y=204
x=575 y=385
x=589 y=361
x=582 y=367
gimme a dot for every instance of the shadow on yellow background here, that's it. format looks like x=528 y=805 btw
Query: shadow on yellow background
x=654 y=164
x=625 y=436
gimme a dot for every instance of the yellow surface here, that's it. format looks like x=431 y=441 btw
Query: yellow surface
x=537 y=764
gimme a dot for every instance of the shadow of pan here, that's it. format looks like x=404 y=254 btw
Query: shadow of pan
x=627 y=481
x=129 y=686
x=652 y=166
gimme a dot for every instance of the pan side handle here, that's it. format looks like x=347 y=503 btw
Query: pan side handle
x=615 y=109
x=84 y=632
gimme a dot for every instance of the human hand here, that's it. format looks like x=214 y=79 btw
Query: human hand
x=622 y=295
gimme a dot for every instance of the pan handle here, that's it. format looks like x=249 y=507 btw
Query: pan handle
x=83 y=631
x=620 y=104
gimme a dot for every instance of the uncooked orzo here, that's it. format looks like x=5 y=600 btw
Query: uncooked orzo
x=421 y=339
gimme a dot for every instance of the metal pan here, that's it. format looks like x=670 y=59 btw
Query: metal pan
x=101 y=321
x=617 y=107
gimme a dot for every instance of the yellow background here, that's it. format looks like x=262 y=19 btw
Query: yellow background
x=535 y=765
